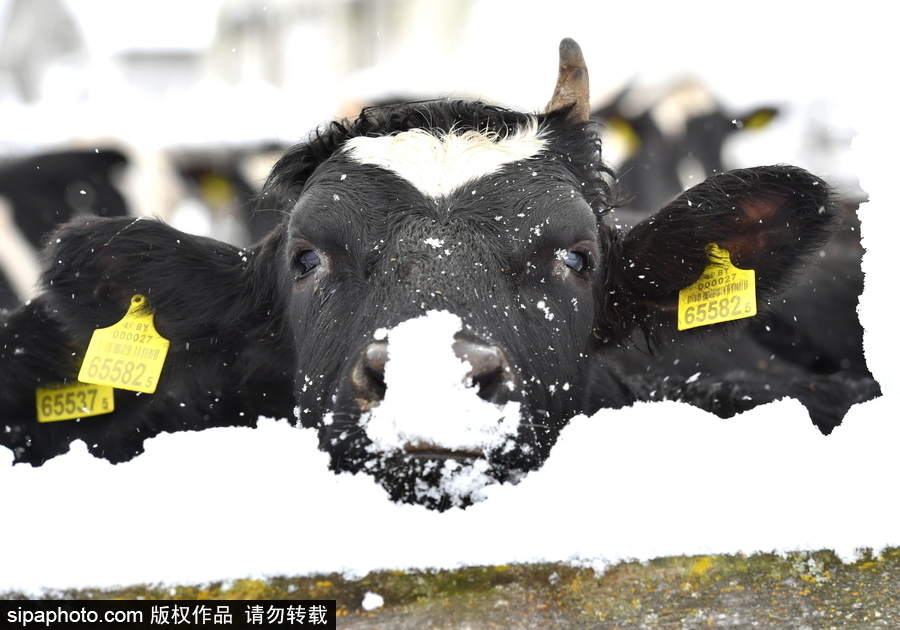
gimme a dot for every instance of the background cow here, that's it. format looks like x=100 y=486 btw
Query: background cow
x=492 y=216
x=43 y=191
x=670 y=141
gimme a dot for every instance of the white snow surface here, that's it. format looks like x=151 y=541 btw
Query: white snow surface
x=657 y=479
x=372 y=601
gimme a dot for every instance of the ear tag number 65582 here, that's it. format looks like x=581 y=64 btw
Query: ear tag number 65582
x=722 y=294
x=127 y=355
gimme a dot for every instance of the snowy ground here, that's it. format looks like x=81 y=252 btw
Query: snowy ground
x=649 y=481
x=637 y=483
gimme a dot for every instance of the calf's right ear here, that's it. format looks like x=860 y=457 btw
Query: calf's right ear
x=199 y=289
x=769 y=219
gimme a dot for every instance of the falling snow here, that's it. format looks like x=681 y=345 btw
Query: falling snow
x=738 y=488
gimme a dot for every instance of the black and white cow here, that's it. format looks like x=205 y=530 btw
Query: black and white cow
x=487 y=215
x=225 y=183
x=42 y=191
x=670 y=141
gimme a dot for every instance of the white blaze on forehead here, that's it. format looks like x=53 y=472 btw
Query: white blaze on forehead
x=427 y=403
x=439 y=164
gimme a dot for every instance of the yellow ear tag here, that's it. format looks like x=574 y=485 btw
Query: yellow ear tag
x=622 y=133
x=760 y=118
x=722 y=294
x=68 y=401
x=127 y=355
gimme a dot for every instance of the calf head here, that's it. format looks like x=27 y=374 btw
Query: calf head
x=488 y=221
x=462 y=209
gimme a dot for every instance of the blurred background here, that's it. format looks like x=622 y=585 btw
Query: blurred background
x=178 y=109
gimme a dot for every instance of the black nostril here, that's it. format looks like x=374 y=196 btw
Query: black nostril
x=368 y=375
x=490 y=372
x=374 y=362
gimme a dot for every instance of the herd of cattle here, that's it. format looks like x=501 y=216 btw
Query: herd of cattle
x=562 y=313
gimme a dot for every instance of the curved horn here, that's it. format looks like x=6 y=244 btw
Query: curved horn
x=572 y=86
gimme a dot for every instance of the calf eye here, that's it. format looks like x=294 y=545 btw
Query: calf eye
x=578 y=262
x=305 y=261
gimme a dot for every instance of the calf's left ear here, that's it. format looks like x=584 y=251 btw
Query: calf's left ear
x=769 y=219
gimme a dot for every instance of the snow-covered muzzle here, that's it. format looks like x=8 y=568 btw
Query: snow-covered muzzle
x=432 y=412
